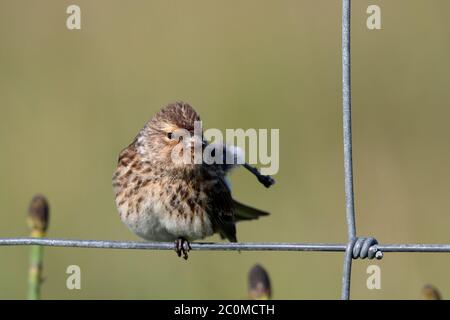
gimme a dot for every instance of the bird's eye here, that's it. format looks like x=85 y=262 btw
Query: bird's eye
x=169 y=135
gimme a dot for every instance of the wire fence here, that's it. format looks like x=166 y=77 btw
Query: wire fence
x=205 y=246
x=355 y=248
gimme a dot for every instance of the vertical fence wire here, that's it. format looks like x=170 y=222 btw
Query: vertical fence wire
x=347 y=136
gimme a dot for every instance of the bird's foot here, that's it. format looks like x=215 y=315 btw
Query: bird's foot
x=182 y=247
x=267 y=181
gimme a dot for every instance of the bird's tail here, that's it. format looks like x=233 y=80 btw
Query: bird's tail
x=244 y=212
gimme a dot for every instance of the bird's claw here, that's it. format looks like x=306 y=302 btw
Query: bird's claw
x=182 y=247
x=267 y=181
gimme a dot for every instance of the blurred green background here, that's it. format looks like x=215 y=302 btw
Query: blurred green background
x=71 y=100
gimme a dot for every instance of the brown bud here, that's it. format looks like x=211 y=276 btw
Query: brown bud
x=259 y=287
x=430 y=292
x=38 y=215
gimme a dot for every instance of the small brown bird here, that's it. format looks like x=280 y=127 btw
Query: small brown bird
x=160 y=199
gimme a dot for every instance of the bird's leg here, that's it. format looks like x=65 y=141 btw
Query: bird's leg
x=182 y=246
x=267 y=181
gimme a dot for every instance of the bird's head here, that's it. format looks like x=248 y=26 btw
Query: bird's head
x=172 y=137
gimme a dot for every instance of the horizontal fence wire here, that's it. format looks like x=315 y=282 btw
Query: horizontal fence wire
x=205 y=246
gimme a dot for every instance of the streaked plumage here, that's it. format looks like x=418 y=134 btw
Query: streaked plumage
x=160 y=200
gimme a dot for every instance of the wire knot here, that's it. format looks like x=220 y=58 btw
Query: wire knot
x=365 y=247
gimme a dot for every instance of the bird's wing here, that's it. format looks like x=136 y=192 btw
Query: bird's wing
x=244 y=212
x=128 y=153
x=221 y=210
